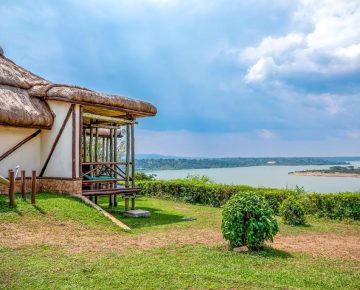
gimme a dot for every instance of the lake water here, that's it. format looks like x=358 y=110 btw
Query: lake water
x=271 y=176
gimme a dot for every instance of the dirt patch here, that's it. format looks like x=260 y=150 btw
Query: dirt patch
x=345 y=246
x=77 y=238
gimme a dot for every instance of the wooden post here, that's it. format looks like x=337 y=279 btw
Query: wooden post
x=85 y=145
x=73 y=142
x=110 y=201
x=103 y=149
x=23 y=184
x=127 y=156
x=80 y=139
x=33 y=187
x=133 y=203
x=111 y=146
x=96 y=144
x=107 y=149
x=126 y=203
x=115 y=155
x=96 y=148
x=12 y=188
x=115 y=145
x=132 y=156
x=96 y=199
x=91 y=145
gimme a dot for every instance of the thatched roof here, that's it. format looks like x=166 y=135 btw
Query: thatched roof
x=23 y=98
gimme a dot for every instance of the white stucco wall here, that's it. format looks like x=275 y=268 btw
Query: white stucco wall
x=60 y=164
x=33 y=154
x=27 y=156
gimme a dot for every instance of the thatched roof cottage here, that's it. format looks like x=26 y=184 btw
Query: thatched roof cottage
x=73 y=137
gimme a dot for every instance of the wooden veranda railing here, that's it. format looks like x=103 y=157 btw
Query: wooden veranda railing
x=102 y=170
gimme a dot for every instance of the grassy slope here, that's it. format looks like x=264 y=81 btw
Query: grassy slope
x=176 y=266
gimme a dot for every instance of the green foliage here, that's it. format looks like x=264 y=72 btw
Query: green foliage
x=231 y=162
x=334 y=205
x=199 y=178
x=292 y=212
x=143 y=176
x=247 y=221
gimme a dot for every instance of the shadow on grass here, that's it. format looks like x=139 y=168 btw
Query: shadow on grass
x=269 y=252
x=39 y=209
x=4 y=207
x=157 y=217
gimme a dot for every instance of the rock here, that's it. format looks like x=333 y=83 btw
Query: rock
x=242 y=249
x=137 y=213
x=1 y=51
x=187 y=218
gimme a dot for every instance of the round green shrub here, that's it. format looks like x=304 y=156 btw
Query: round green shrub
x=292 y=211
x=248 y=221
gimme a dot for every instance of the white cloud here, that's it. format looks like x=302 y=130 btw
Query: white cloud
x=259 y=71
x=332 y=104
x=355 y=134
x=330 y=46
x=266 y=134
x=271 y=46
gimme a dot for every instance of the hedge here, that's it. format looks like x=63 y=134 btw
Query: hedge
x=334 y=205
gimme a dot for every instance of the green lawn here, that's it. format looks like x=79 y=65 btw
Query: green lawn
x=46 y=264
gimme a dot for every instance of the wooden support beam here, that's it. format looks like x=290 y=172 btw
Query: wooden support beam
x=127 y=158
x=85 y=146
x=108 y=149
x=56 y=140
x=111 y=145
x=115 y=145
x=103 y=149
x=17 y=146
x=81 y=109
x=108 y=119
x=96 y=144
x=126 y=203
x=105 y=213
x=23 y=184
x=133 y=203
x=73 y=143
x=12 y=188
x=132 y=156
x=33 y=187
x=91 y=145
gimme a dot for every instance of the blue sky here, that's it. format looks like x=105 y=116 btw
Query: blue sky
x=229 y=78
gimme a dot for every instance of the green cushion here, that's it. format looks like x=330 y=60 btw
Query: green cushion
x=101 y=177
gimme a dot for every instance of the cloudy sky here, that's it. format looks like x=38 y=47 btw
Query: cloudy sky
x=229 y=78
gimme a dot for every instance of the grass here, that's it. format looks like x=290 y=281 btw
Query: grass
x=48 y=263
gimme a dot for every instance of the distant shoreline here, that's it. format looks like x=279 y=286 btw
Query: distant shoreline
x=316 y=173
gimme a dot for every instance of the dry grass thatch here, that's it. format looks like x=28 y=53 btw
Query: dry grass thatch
x=23 y=98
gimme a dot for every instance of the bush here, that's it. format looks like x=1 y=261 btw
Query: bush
x=332 y=205
x=143 y=176
x=247 y=221
x=292 y=212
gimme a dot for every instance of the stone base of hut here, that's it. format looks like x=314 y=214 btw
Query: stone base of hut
x=46 y=184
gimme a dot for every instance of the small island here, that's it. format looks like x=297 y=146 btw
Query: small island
x=334 y=171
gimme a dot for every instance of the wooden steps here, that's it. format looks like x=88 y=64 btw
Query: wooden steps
x=119 y=190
